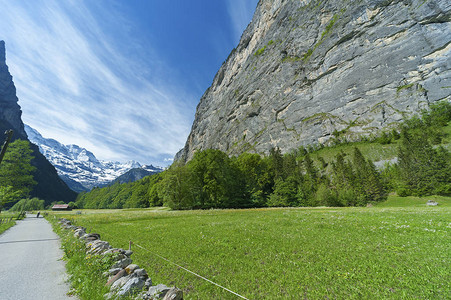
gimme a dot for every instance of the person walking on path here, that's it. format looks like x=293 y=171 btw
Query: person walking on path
x=37 y=216
x=31 y=265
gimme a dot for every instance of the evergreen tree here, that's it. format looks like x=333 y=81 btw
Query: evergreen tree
x=325 y=196
x=308 y=183
x=423 y=170
x=256 y=175
x=367 y=181
x=285 y=193
x=342 y=173
x=276 y=163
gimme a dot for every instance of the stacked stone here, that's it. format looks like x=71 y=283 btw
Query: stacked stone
x=124 y=277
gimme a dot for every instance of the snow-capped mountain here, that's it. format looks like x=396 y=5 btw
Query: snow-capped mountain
x=78 y=167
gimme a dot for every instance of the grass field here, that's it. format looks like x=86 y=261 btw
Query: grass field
x=399 y=249
x=5 y=226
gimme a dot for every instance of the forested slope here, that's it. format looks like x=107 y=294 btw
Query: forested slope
x=341 y=175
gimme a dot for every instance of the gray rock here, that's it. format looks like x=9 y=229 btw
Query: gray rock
x=119 y=283
x=157 y=291
x=141 y=273
x=69 y=227
x=115 y=251
x=131 y=268
x=131 y=286
x=306 y=69
x=148 y=283
x=79 y=232
x=128 y=253
x=174 y=294
x=98 y=247
x=116 y=277
x=114 y=271
x=89 y=237
x=122 y=263
x=109 y=295
x=431 y=203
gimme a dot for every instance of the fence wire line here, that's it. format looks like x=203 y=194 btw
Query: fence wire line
x=230 y=291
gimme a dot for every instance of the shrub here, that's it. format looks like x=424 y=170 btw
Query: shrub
x=325 y=196
x=260 y=51
x=28 y=204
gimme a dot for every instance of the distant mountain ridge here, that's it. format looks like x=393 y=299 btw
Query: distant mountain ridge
x=133 y=175
x=80 y=169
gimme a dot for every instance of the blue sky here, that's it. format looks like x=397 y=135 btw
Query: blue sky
x=120 y=78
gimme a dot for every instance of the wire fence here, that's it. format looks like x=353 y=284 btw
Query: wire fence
x=5 y=220
x=185 y=269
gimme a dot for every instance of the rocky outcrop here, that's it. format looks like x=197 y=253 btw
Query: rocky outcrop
x=10 y=113
x=306 y=70
x=50 y=187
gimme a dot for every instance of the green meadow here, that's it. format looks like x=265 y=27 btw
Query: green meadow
x=399 y=249
x=5 y=222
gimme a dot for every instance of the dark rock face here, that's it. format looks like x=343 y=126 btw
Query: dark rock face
x=50 y=187
x=10 y=113
x=305 y=69
x=132 y=175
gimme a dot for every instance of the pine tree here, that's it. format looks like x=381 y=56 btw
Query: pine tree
x=367 y=181
x=423 y=170
x=276 y=163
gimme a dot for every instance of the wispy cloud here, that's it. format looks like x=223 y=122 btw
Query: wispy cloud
x=240 y=12
x=77 y=84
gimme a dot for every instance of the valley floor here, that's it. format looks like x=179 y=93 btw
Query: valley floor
x=397 y=249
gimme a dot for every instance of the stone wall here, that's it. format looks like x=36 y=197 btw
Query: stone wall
x=124 y=277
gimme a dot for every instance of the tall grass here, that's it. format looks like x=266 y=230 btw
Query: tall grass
x=86 y=278
x=6 y=216
x=6 y=226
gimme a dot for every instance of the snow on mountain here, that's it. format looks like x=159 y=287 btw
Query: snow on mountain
x=78 y=167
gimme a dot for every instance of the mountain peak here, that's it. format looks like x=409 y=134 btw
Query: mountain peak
x=79 y=167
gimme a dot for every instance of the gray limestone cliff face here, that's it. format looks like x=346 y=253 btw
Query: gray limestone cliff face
x=10 y=113
x=306 y=69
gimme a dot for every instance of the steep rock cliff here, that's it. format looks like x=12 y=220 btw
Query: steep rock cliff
x=50 y=187
x=305 y=69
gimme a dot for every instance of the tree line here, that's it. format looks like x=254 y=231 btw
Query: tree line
x=16 y=173
x=212 y=179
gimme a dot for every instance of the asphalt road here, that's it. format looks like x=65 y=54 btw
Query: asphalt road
x=30 y=262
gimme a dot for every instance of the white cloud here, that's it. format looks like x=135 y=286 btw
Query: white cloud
x=77 y=84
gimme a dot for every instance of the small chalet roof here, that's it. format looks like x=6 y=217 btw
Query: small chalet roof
x=60 y=206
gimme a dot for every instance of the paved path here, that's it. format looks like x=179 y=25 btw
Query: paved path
x=30 y=262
